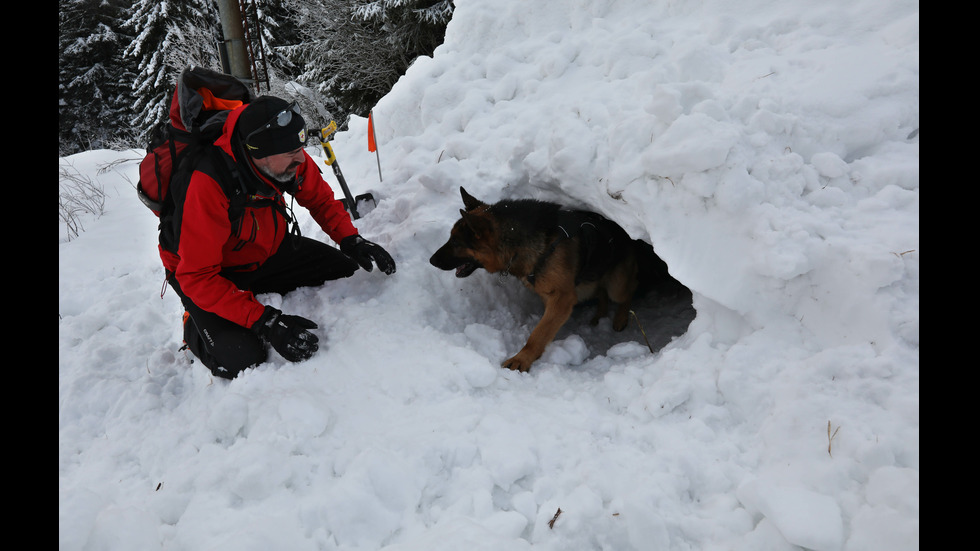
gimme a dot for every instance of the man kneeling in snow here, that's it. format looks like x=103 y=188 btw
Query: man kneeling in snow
x=217 y=265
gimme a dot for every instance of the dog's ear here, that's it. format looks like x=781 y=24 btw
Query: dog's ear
x=469 y=201
x=479 y=225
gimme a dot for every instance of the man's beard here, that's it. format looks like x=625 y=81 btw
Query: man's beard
x=283 y=177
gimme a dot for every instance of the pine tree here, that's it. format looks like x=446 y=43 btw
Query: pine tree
x=415 y=27
x=169 y=36
x=353 y=51
x=93 y=77
x=272 y=14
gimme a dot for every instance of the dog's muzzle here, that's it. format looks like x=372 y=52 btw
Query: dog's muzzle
x=463 y=266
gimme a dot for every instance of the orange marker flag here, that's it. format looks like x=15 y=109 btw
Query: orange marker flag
x=372 y=146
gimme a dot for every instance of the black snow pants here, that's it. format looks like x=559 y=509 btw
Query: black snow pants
x=227 y=348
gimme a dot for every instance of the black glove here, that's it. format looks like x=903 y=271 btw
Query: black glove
x=363 y=251
x=287 y=334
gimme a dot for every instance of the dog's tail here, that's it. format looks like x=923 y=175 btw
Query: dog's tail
x=653 y=273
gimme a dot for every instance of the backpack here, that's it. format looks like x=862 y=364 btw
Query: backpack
x=199 y=107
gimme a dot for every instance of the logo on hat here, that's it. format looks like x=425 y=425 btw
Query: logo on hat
x=302 y=135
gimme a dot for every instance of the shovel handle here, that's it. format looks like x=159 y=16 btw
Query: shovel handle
x=331 y=156
x=331 y=161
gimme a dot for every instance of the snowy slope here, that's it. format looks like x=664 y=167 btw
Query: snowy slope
x=769 y=152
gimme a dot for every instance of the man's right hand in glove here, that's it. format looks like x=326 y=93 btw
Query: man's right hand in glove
x=287 y=334
x=364 y=251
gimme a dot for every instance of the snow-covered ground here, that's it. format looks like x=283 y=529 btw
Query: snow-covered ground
x=770 y=153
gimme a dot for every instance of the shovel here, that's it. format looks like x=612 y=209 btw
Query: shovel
x=350 y=202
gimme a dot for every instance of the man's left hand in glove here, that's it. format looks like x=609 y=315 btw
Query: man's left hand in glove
x=364 y=251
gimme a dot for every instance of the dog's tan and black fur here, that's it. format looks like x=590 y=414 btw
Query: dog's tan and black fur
x=565 y=256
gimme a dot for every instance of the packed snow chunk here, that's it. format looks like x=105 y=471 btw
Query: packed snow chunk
x=124 y=528
x=508 y=450
x=882 y=529
x=484 y=340
x=263 y=471
x=461 y=533
x=73 y=529
x=645 y=527
x=369 y=502
x=626 y=350
x=894 y=487
x=884 y=524
x=693 y=143
x=829 y=164
x=570 y=351
x=302 y=417
x=737 y=190
x=803 y=517
x=665 y=396
x=474 y=363
x=275 y=530
x=785 y=251
x=506 y=523
x=894 y=164
x=579 y=509
x=766 y=536
x=228 y=417
x=664 y=103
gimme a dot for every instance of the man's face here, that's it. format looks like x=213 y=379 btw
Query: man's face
x=281 y=167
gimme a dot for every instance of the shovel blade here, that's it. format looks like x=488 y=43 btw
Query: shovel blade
x=363 y=204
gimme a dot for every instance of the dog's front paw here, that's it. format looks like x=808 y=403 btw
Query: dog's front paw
x=518 y=363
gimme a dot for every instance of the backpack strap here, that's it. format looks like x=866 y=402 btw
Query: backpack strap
x=200 y=154
x=228 y=177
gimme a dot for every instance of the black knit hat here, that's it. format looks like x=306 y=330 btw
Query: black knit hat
x=270 y=126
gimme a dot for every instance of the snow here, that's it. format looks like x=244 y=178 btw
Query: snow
x=770 y=153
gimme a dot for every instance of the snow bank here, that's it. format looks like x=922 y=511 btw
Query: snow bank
x=768 y=151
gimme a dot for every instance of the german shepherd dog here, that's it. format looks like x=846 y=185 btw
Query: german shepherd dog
x=565 y=256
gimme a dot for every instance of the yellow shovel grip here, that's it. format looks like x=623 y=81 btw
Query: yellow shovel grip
x=331 y=157
x=324 y=134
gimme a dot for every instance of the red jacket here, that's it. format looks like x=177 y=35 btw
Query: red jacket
x=207 y=243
